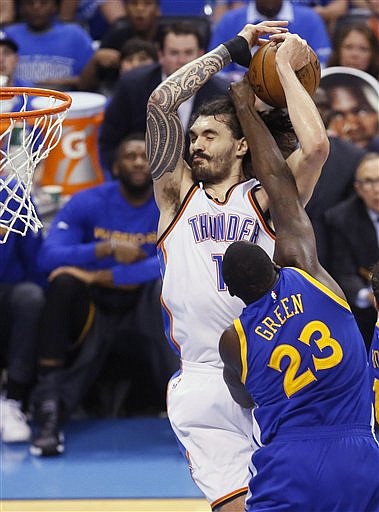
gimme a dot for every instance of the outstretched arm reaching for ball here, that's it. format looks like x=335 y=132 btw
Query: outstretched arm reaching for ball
x=305 y=162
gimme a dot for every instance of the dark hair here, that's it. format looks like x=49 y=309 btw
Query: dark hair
x=278 y=122
x=223 y=110
x=247 y=271
x=375 y=281
x=137 y=45
x=131 y=136
x=359 y=88
x=339 y=37
x=181 y=28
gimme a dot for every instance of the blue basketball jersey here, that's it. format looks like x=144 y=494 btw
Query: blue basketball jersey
x=303 y=357
x=374 y=370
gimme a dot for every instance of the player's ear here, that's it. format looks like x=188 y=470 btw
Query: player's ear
x=242 y=147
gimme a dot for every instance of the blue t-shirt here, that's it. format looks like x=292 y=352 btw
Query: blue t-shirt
x=97 y=214
x=60 y=52
x=183 y=7
x=18 y=255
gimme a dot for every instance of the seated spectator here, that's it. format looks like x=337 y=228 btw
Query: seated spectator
x=134 y=53
x=301 y=20
x=8 y=63
x=355 y=46
x=102 y=70
x=126 y=112
x=105 y=285
x=96 y=16
x=137 y=52
x=51 y=54
x=354 y=241
x=21 y=302
x=353 y=97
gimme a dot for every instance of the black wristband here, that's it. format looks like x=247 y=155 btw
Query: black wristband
x=239 y=50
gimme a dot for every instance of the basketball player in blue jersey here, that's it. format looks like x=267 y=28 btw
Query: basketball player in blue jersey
x=204 y=207
x=374 y=349
x=296 y=353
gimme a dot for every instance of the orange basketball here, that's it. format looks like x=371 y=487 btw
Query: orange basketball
x=265 y=81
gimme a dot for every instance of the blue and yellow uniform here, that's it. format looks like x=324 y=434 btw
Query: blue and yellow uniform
x=305 y=365
x=374 y=370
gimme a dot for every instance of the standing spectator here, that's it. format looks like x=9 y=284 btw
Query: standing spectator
x=355 y=46
x=374 y=348
x=353 y=227
x=301 y=20
x=103 y=69
x=21 y=302
x=179 y=44
x=51 y=54
x=296 y=355
x=353 y=99
x=100 y=253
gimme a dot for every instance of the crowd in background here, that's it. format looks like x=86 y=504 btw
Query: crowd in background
x=88 y=287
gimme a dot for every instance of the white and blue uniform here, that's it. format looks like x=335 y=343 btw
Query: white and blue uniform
x=214 y=431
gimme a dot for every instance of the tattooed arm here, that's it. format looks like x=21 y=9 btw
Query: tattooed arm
x=165 y=134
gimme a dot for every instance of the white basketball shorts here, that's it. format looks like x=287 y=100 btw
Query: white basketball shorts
x=214 y=430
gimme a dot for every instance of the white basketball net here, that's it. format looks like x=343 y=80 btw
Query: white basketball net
x=36 y=138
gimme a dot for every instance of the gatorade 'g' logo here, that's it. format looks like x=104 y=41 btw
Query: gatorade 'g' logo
x=74 y=145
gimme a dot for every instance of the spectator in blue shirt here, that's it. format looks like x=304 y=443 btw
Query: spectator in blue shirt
x=104 y=291
x=51 y=53
x=301 y=20
x=21 y=302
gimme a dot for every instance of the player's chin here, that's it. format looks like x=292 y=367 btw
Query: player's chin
x=201 y=174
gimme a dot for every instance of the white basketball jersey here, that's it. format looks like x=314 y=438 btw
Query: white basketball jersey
x=197 y=306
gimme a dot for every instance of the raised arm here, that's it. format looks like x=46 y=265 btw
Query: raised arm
x=307 y=161
x=165 y=135
x=295 y=242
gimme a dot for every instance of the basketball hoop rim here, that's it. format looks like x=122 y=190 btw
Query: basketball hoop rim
x=10 y=92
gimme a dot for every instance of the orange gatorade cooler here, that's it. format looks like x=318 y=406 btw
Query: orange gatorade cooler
x=74 y=163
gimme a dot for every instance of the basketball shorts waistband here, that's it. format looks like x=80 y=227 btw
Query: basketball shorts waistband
x=195 y=367
x=323 y=432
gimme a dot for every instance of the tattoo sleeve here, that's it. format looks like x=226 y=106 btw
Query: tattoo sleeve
x=165 y=135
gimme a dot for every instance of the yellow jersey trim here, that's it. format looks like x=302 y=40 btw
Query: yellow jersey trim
x=323 y=288
x=243 y=348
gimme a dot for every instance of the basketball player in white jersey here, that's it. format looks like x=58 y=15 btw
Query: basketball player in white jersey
x=203 y=208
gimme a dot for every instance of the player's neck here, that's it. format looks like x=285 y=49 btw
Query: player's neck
x=218 y=191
